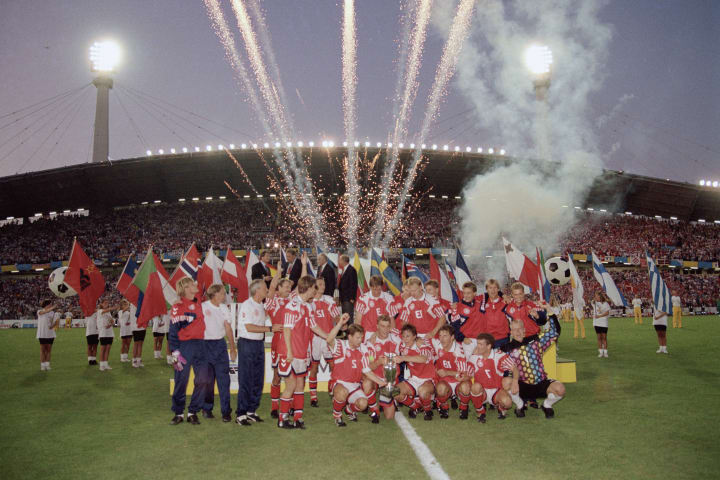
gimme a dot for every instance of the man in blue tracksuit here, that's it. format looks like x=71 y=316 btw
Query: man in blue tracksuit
x=186 y=339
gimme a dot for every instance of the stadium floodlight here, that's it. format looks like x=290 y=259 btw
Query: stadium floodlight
x=331 y=144
x=502 y=151
x=434 y=146
x=161 y=151
x=277 y=144
x=243 y=146
x=184 y=149
x=702 y=183
x=446 y=148
x=64 y=211
x=479 y=150
x=208 y=148
x=148 y=152
x=412 y=145
x=312 y=144
x=389 y=144
x=300 y=144
x=491 y=151
x=288 y=144
x=432 y=196
x=144 y=203
x=221 y=147
x=208 y=198
x=53 y=213
x=275 y=245
x=401 y=145
x=628 y=213
x=457 y=149
x=105 y=56
x=367 y=144
x=444 y=196
x=673 y=218
x=324 y=143
x=172 y=150
x=379 y=144
x=197 y=149
x=266 y=145
x=255 y=146
x=232 y=146
x=356 y=144
x=181 y=199
x=267 y=244
x=538 y=59
x=715 y=183
x=423 y=146
x=344 y=144
x=468 y=149
x=195 y=199
x=701 y=220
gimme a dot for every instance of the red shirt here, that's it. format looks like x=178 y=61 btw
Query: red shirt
x=489 y=371
x=325 y=311
x=189 y=315
x=380 y=347
x=475 y=321
x=496 y=323
x=420 y=370
x=453 y=359
x=522 y=312
x=421 y=312
x=297 y=316
x=372 y=307
x=350 y=363
x=274 y=308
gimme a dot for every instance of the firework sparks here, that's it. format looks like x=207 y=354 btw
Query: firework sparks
x=349 y=83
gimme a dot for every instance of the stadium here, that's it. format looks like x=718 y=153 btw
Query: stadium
x=405 y=212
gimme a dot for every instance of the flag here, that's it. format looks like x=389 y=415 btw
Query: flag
x=414 y=271
x=447 y=291
x=542 y=278
x=577 y=290
x=606 y=282
x=660 y=292
x=520 y=267
x=462 y=272
x=250 y=260
x=124 y=283
x=309 y=268
x=403 y=271
x=271 y=269
x=452 y=277
x=188 y=266
x=234 y=274
x=375 y=261
x=209 y=273
x=362 y=284
x=152 y=299
x=85 y=278
x=389 y=276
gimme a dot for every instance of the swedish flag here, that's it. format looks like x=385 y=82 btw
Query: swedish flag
x=391 y=278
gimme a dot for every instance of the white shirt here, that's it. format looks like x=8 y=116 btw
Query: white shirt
x=161 y=324
x=676 y=301
x=133 y=319
x=105 y=324
x=659 y=321
x=91 y=325
x=215 y=318
x=251 y=312
x=45 y=321
x=125 y=323
x=598 y=309
x=637 y=302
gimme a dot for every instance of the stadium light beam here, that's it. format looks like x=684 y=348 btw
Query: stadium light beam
x=104 y=57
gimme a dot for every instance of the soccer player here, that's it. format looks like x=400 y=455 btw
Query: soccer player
x=186 y=337
x=217 y=327
x=46 y=332
x=601 y=314
x=467 y=319
x=492 y=306
x=527 y=354
x=106 y=333
x=293 y=351
x=351 y=363
x=421 y=384
x=327 y=314
x=278 y=297
x=91 y=337
x=432 y=289
x=385 y=340
x=161 y=326
x=637 y=310
x=524 y=310
x=451 y=376
x=677 y=311
x=372 y=304
x=421 y=311
x=496 y=378
x=126 y=333
x=660 y=325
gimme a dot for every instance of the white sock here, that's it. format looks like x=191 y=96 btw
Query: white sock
x=123 y=357
x=664 y=348
x=551 y=400
x=517 y=400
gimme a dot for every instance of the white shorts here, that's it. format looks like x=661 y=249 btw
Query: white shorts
x=490 y=392
x=452 y=385
x=298 y=366
x=415 y=382
x=355 y=391
x=320 y=349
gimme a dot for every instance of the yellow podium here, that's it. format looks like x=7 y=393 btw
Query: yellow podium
x=559 y=368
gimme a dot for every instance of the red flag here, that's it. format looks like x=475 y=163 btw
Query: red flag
x=435 y=270
x=85 y=278
x=188 y=266
x=124 y=284
x=209 y=273
x=234 y=274
x=159 y=267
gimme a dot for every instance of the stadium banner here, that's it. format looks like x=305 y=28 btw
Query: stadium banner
x=580 y=257
x=689 y=264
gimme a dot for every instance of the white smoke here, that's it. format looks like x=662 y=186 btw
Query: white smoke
x=524 y=200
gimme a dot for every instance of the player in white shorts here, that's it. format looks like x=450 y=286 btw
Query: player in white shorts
x=105 y=324
x=125 y=330
x=660 y=324
x=161 y=326
x=46 y=332
x=417 y=391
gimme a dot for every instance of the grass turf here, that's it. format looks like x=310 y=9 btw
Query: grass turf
x=636 y=414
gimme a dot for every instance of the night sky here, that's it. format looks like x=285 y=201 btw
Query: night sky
x=664 y=59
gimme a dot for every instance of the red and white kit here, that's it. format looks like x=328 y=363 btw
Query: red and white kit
x=350 y=364
x=298 y=317
x=489 y=371
x=372 y=307
x=521 y=312
x=324 y=311
x=453 y=359
x=379 y=347
x=423 y=313
x=273 y=307
x=420 y=372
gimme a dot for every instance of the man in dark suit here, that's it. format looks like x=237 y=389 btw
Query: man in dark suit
x=294 y=267
x=260 y=270
x=347 y=286
x=326 y=271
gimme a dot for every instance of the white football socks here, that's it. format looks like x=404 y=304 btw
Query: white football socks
x=551 y=400
x=517 y=400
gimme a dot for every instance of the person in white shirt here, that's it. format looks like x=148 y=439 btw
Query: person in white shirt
x=161 y=326
x=217 y=326
x=637 y=310
x=660 y=324
x=105 y=324
x=91 y=336
x=251 y=353
x=126 y=333
x=677 y=311
x=46 y=332
x=601 y=314
x=138 y=339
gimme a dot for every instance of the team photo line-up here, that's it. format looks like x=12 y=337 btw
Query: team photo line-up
x=414 y=349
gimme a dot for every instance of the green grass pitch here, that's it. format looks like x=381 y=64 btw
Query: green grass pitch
x=637 y=414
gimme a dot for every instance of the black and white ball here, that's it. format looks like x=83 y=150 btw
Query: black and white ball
x=57 y=283
x=557 y=271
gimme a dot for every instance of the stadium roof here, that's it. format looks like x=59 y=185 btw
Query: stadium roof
x=168 y=178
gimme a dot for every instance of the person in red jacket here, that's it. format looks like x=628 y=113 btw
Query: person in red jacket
x=186 y=339
x=492 y=305
x=525 y=311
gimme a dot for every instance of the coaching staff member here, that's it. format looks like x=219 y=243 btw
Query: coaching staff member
x=347 y=286
x=327 y=272
x=251 y=354
x=293 y=269
x=260 y=270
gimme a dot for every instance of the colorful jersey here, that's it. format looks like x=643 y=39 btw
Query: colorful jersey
x=297 y=316
x=186 y=322
x=349 y=363
x=453 y=359
x=496 y=322
x=421 y=312
x=379 y=347
x=372 y=307
x=489 y=371
x=325 y=311
x=420 y=370
x=527 y=354
x=513 y=311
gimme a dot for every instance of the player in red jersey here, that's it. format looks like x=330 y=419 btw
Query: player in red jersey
x=326 y=313
x=352 y=364
x=432 y=289
x=385 y=340
x=524 y=310
x=421 y=311
x=451 y=376
x=294 y=351
x=496 y=375
x=278 y=296
x=421 y=384
x=492 y=305
x=372 y=304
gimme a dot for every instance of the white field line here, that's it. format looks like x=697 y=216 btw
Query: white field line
x=423 y=453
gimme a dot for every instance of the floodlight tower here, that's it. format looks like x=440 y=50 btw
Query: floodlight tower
x=104 y=56
x=538 y=59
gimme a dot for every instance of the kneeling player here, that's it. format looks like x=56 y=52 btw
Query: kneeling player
x=351 y=362
x=385 y=340
x=450 y=372
x=495 y=376
x=422 y=371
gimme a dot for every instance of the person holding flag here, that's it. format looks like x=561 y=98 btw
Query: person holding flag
x=46 y=332
x=662 y=304
x=126 y=332
x=601 y=314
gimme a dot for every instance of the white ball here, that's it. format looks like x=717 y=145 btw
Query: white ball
x=57 y=284
x=557 y=271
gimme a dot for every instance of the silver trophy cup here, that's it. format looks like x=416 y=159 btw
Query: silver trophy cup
x=390 y=371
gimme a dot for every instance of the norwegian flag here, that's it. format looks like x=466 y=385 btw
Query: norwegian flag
x=188 y=266
x=412 y=270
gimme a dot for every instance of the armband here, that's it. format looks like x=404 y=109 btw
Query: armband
x=507 y=374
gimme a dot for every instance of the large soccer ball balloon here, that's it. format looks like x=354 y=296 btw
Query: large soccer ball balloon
x=557 y=271
x=57 y=283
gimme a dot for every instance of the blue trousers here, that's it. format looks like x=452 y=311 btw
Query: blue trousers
x=218 y=369
x=251 y=375
x=194 y=352
x=500 y=342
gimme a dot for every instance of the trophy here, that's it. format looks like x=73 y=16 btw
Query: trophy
x=390 y=371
